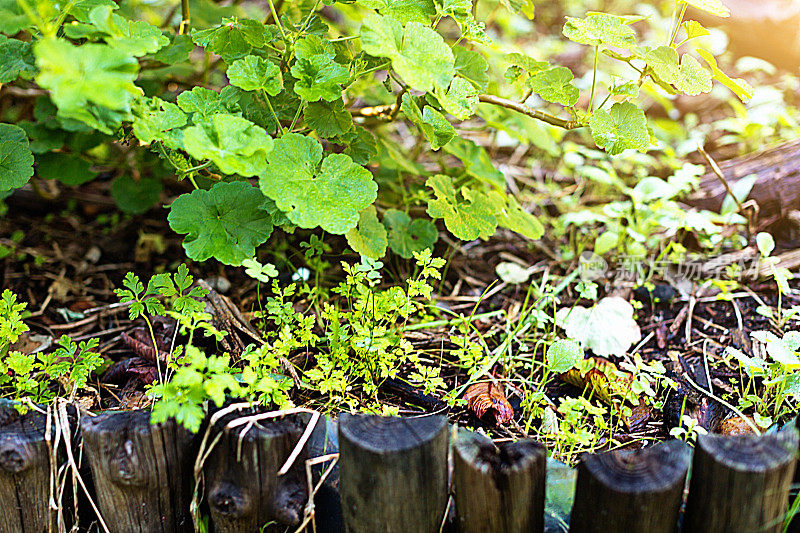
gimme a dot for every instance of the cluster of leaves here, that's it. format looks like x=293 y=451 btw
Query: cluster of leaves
x=37 y=378
x=364 y=343
x=283 y=116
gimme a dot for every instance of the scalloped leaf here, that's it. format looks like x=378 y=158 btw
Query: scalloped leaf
x=16 y=58
x=233 y=38
x=234 y=144
x=407 y=236
x=91 y=83
x=225 y=222
x=154 y=119
x=253 y=73
x=621 y=127
x=687 y=76
x=419 y=54
x=554 y=85
x=16 y=159
x=436 y=128
x=313 y=191
x=403 y=10
x=601 y=28
x=715 y=7
x=468 y=214
x=369 y=238
x=136 y=38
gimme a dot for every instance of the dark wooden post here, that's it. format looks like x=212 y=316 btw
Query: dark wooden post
x=24 y=472
x=631 y=491
x=393 y=473
x=245 y=492
x=740 y=483
x=142 y=472
x=499 y=488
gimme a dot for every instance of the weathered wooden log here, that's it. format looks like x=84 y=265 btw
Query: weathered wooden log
x=245 y=492
x=499 y=488
x=631 y=491
x=393 y=473
x=142 y=472
x=740 y=483
x=775 y=189
x=24 y=472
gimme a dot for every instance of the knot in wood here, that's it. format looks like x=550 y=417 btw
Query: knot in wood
x=288 y=502
x=125 y=467
x=14 y=457
x=229 y=500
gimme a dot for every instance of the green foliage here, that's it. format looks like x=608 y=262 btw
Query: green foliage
x=363 y=342
x=92 y=83
x=467 y=213
x=253 y=73
x=226 y=222
x=37 y=378
x=621 y=127
x=369 y=238
x=419 y=55
x=197 y=378
x=234 y=144
x=116 y=76
x=406 y=236
x=563 y=355
x=11 y=324
x=16 y=159
x=313 y=191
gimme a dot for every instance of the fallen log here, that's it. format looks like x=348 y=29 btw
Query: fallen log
x=776 y=189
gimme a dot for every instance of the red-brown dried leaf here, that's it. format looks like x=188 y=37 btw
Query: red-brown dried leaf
x=735 y=426
x=488 y=397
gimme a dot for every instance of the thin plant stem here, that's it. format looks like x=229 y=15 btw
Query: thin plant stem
x=272 y=110
x=677 y=25
x=594 y=79
x=185 y=19
x=535 y=113
x=297 y=115
x=277 y=20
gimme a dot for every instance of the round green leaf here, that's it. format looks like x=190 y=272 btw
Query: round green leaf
x=563 y=355
x=234 y=144
x=369 y=238
x=419 y=54
x=69 y=169
x=623 y=126
x=253 y=73
x=83 y=78
x=16 y=164
x=225 y=222
x=135 y=197
x=329 y=195
x=407 y=236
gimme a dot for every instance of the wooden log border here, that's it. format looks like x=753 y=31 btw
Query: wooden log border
x=249 y=470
